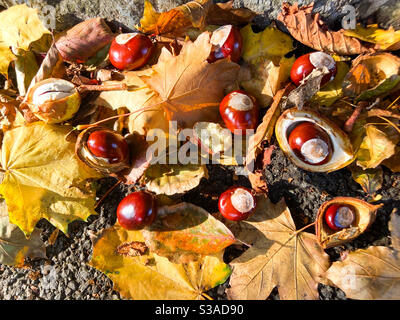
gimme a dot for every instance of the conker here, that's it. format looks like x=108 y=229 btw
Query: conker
x=130 y=51
x=237 y=203
x=227 y=41
x=109 y=145
x=305 y=64
x=339 y=216
x=240 y=112
x=310 y=143
x=137 y=210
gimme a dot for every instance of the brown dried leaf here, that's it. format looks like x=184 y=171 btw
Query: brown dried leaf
x=176 y=21
x=265 y=130
x=279 y=256
x=372 y=75
x=224 y=13
x=310 y=30
x=132 y=249
x=188 y=83
x=372 y=273
x=84 y=40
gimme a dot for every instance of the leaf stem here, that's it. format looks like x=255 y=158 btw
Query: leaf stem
x=306 y=227
x=205 y=295
x=106 y=194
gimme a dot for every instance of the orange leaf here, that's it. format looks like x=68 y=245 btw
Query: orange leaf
x=188 y=83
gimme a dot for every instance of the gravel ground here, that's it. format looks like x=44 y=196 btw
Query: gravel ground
x=65 y=275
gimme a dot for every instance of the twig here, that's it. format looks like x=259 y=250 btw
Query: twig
x=106 y=194
x=102 y=87
x=348 y=126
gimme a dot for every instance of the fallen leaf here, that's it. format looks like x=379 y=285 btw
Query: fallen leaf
x=6 y=57
x=188 y=83
x=387 y=40
x=173 y=179
x=372 y=273
x=375 y=147
x=372 y=75
x=139 y=98
x=266 y=68
x=394 y=227
x=25 y=69
x=265 y=130
x=14 y=247
x=310 y=85
x=279 y=256
x=43 y=178
x=393 y=163
x=370 y=180
x=52 y=67
x=176 y=21
x=84 y=40
x=271 y=42
x=310 y=30
x=185 y=232
x=20 y=26
x=224 y=13
x=151 y=277
x=332 y=91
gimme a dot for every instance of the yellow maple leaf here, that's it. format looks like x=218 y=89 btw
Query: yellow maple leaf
x=20 y=26
x=148 y=276
x=188 y=83
x=43 y=178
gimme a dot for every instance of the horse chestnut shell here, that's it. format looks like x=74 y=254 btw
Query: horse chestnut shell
x=237 y=203
x=227 y=41
x=339 y=216
x=137 y=210
x=130 y=51
x=310 y=143
x=305 y=64
x=239 y=110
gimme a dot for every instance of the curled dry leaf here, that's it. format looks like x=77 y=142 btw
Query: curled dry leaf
x=52 y=67
x=43 y=178
x=193 y=14
x=365 y=214
x=14 y=247
x=185 y=232
x=387 y=40
x=372 y=273
x=376 y=147
x=265 y=130
x=370 y=180
x=84 y=40
x=310 y=85
x=372 y=75
x=151 y=277
x=276 y=247
x=176 y=21
x=132 y=249
x=394 y=227
x=8 y=110
x=310 y=30
x=174 y=178
x=190 y=88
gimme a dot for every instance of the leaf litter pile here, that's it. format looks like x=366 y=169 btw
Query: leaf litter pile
x=76 y=109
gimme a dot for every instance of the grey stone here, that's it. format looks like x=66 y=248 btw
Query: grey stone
x=127 y=13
